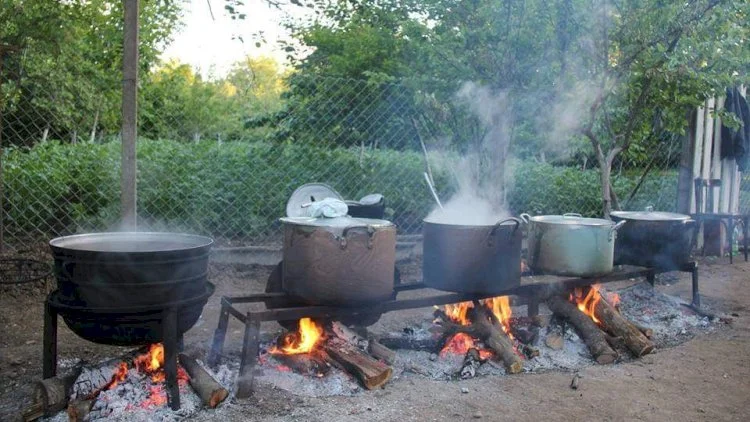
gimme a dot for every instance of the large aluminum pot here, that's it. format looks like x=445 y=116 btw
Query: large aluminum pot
x=571 y=245
x=340 y=261
x=479 y=259
x=654 y=239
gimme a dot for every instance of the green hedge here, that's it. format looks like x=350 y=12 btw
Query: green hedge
x=238 y=190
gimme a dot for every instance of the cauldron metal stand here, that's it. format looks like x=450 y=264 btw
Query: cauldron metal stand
x=171 y=339
x=532 y=292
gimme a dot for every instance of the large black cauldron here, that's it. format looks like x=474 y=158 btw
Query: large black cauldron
x=113 y=288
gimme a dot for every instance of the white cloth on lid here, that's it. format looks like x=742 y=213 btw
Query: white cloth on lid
x=328 y=208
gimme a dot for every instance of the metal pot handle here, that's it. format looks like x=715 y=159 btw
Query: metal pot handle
x=614 y=229
x=525 y=217
x=65 y=271
x=649 y=208
x=345 y=232
x=572 y=214
x=492 y=232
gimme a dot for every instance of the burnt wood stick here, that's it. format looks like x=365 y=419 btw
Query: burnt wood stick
x=472 y=362
x=381 y=352
x=594 y=338
x=210 y=391
x=496 y=339
x=422 y=345
x=51 y=395
x=614 y=323
x=312 y=364
x=347 y=334
x=371 y=372
x=79 y=409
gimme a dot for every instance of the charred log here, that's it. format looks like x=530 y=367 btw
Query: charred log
x=51 y=395
x=422 y=345
x=79 y=409
x=377 y=350
x=615 y=324
x=311 y=364
x=371 y=372
x=210 y=391
x=495 y=338
x=472 y=362
x=594 y=338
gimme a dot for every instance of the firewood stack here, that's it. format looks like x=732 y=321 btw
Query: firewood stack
x=611 y=332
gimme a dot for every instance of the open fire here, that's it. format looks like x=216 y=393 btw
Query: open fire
x=303 y=340
x=588 y=303
x=458 y=313
x=151 y=365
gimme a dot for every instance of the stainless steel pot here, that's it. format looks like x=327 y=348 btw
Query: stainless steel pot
x=482 y=259
x=571 y=245
x=338 y=261
x=654 y=239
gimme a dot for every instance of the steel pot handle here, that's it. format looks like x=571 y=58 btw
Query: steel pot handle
x=649 y=208
x=345 y=232
x=65 y=271
x=572 y=214
x=616 y=227
x=492 y=232
x=525 y=217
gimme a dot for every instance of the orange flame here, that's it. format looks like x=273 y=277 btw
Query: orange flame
x=152 y=364
x=302 y=341
x=500 y=307
x=457 y=312
x=587 y=304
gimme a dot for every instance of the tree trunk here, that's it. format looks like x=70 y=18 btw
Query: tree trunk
x=93 y=127
x=128 y=190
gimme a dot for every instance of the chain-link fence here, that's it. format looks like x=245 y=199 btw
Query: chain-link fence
x=230 y=176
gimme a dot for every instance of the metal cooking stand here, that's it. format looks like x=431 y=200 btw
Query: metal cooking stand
x=533 y=292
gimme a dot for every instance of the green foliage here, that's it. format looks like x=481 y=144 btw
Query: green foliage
x=237 y=190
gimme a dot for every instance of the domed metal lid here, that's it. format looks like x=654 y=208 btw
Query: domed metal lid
x=568 y=219
x=650 y=215
x=307 y=193
x=336 y=225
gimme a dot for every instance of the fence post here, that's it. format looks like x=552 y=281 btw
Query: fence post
x=128 y=192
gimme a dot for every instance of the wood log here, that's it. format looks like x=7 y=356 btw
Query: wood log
x=347 y=334
x=371 y=372
x=615 y=324
x=381 y=352
x=210 y=391
x=51 y=395
x=407 y=343
x=649 y=333
x=495 y=338
x=472 y=362
x=79 y=409
x=594 y=338
x=311 y=364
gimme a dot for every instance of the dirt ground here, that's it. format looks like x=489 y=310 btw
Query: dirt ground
x=706 y=378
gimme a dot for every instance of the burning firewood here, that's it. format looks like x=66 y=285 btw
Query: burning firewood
x=482 y=324
x=594 y=338
x=312 y=364
x=210 y=391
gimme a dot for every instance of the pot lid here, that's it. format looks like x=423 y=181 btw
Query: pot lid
x=336 y=223
x=296 y=206
x=650 y=215
x=571 y=220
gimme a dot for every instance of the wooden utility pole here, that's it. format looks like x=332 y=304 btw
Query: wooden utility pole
x=128 y=191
